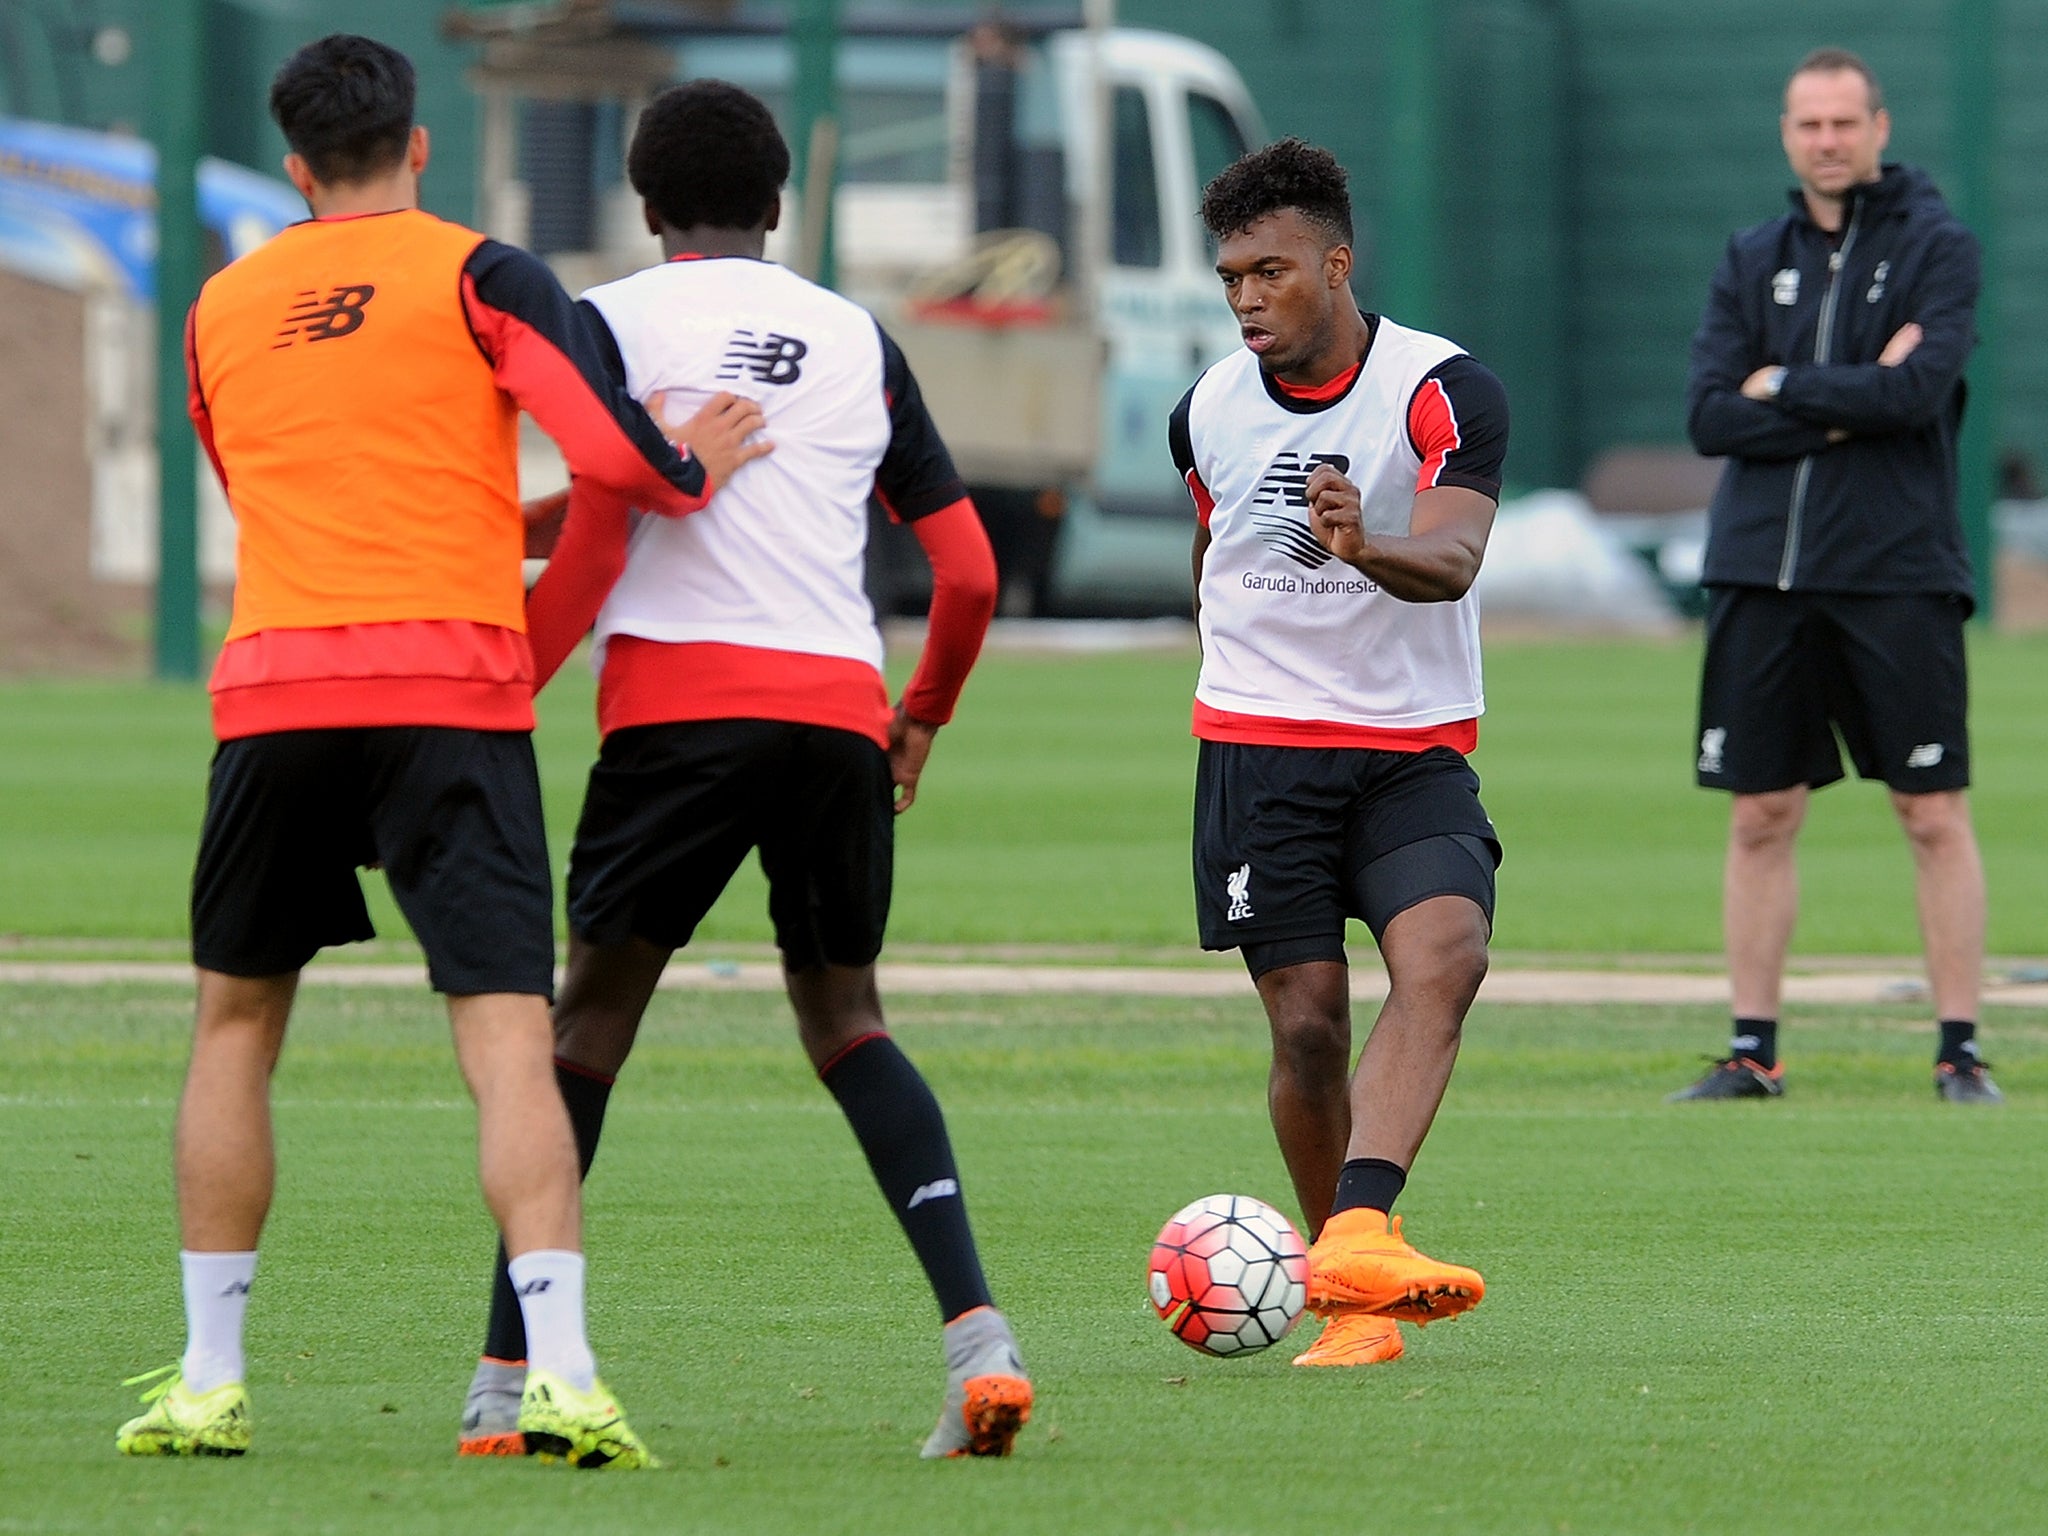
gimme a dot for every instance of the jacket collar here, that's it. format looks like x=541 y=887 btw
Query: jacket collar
x=1895 y=186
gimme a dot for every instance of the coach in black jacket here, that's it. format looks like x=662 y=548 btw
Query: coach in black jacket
x=1828 y=370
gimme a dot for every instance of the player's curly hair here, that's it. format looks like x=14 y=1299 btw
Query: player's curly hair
x=708 y=153
x=1290 y=174
x=345 y=105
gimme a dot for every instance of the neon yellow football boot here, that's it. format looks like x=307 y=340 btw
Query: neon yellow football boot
x=181 y=1422
x=585 y=1429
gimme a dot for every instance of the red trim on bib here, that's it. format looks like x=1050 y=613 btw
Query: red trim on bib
x=1212 y=724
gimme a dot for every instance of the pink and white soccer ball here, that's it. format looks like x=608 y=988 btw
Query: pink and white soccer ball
x=1229 y=1275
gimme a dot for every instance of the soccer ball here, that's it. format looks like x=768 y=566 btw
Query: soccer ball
x=1229 y=1275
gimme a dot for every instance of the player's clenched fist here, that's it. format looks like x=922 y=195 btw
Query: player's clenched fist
x=716 y=436
x=1333 y=515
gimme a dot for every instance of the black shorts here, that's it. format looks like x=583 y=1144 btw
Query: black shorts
x=1291 y=841
x=673 y=809
x=454 y=817
x=1786 y=672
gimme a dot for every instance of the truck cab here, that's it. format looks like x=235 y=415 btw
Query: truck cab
x=1016 y=202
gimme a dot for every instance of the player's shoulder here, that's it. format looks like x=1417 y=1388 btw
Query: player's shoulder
x=1425 y=348
x=737 y=290
x=495 y=264
x=1228 y=377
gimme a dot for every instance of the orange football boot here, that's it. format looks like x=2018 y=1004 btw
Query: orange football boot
x=1362 y=1263
x=1355 y=1338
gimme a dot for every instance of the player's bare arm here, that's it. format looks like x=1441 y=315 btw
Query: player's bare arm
x=1435 y=562
x=544 y=516
x=1201 y=555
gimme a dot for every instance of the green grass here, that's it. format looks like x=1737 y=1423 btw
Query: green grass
x=1820 y=1314
x=1056 y=809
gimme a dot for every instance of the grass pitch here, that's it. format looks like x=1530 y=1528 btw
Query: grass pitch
x=1823 y=1313
x=1056 y=809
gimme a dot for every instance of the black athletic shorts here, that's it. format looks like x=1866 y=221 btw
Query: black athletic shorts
x=453 y=816
x=1291 y=841
x=1786 y=672
x=673 y=809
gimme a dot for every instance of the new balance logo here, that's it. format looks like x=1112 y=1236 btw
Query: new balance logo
x=536 y=1287
x=1282 y=492
x=938 y=1189
x=1927 y=755
x=313 y=318
x=1713 y=743
x=1239 y=885
x=772 y=358
x=236 y=1288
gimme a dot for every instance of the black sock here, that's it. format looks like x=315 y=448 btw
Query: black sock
x=1958 y=1042
x=1370 y=1182
x=585 y=1093
x=1757 y=1040
x=899 y=1126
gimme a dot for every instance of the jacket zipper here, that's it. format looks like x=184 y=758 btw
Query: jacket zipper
x=1823 y=342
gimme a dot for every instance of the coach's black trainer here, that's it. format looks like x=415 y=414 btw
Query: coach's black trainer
x=1966 y=1082
x=1734 y=1077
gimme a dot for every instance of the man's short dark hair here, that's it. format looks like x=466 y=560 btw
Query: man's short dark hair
x=1830 y=61
x=708 y=153
x=345 y=105
x=1290 y=174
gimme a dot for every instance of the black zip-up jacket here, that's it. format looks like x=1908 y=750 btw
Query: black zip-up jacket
x=1875 y=512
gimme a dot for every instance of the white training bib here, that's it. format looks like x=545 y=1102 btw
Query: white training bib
x=1289 y=631
x=777 y=559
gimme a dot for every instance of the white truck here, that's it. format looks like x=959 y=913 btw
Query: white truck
x=1016 y=200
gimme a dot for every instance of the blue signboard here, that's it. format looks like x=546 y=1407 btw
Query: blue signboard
x=78 y=208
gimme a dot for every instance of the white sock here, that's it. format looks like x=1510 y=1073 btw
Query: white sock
x=216 y=1296
x=549 y=1285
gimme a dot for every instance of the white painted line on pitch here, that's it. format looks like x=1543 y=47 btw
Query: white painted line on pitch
x=1551 y=986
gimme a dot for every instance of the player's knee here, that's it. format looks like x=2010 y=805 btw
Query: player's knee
x=1935 y=820
x=1438 y=949
x=1312 y=1044
x=834 y=1006
x=599 y=1039
x=1462 y=963
x=1767 y=820
x=1448 y=972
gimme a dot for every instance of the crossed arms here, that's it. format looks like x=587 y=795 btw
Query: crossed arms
x=1733 y=409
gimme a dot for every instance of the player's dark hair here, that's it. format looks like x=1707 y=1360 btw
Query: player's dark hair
x=345 y=105
x=1290 y=174
x=708 y=153
x=1830 y=61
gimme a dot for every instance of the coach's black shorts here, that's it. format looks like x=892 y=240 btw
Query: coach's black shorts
x=453 y=816
x=673 y=809
x=1291 y=841
x=1786 y=672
